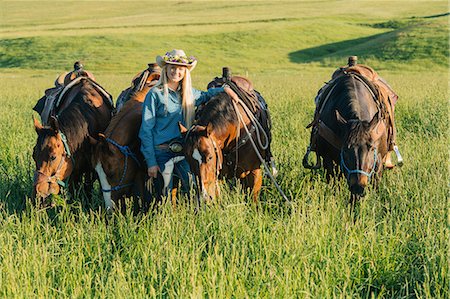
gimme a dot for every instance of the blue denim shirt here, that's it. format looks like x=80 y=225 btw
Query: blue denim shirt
x=160 y=125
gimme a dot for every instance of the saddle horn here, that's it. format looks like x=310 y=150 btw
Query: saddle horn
x=352 y=60
x=78 y=66
x=226 y=73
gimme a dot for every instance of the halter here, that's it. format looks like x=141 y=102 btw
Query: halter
x=125 y=150
x=218 y=159
x=360 y=171
x=66 y=154
x=259 y=129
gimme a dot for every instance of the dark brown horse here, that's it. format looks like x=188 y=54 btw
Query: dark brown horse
x=117 y=159
x=219 y=146
x=63 y=150
x=350 y=130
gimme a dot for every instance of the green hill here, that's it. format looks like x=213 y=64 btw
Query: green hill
x=254 y=36
x=417 y=42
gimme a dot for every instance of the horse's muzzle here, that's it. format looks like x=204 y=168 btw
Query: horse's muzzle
x=358 y=190
x=43 y=188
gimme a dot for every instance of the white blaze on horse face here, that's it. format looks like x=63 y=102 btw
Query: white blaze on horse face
x=196 y=155
x=109 y=204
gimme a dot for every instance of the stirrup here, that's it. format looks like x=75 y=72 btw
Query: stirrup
x=399 y=156
x=306 y=163
x=273 y=167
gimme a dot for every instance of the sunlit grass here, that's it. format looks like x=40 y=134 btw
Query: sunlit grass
x=394 y=245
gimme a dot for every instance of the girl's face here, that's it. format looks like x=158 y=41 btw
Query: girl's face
x=175 y=73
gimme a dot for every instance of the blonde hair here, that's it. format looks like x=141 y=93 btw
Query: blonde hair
x=187 y=98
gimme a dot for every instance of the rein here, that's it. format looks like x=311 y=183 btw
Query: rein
x=360 y=171
x=125 y=150
x=259 y=127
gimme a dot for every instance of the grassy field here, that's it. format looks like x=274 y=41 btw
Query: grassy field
x=397 y=244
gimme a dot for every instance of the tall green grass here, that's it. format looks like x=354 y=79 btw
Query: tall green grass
x=395 y=244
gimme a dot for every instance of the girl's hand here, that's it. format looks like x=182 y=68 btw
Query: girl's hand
x=231 y=93
x=153 y=171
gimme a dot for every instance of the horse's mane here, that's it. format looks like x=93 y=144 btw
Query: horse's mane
x=218 y=111
x=349 y=97
x=75 y=119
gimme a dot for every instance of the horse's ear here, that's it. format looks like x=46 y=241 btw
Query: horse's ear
x=377 y=128
x=378 y=131
x=92 y=140
x=340 y=118
x=37 y=125
x=374 y=121
x=53 y=122
x=153 y=77
x=209 y=129
x=183 y=129
x=201 y=130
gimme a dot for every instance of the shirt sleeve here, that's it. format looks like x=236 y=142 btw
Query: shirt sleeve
x=146 y=131
x=201 y=97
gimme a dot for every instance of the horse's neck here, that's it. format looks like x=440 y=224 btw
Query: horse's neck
x=234 y=131
x=233 y=134
x=76 y=115
x=75 y=137
x=355 y=101
x=125 y=128
x=363 y=108
x=139 y=95
x=66 y=100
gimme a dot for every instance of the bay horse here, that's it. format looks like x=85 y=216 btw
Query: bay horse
x=218 y=144
x=117 y=157
x=62 y=153
x=351 y=131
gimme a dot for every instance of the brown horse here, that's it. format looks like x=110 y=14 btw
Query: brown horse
x=351 y=129
x=117 y=159
x=63 y=151
x=219 y=144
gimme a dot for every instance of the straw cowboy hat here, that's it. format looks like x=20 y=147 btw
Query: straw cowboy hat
x=177 y=57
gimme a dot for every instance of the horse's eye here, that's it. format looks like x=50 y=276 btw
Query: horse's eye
x=53 y=158
x=209 y=158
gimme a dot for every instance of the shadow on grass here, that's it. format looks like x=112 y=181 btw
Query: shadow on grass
x=337 y=50
x=408 y=40
x=16 y=195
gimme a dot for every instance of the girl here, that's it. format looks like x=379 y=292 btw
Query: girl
x=171 y=101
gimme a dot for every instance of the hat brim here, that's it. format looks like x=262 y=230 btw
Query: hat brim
x=161 y=62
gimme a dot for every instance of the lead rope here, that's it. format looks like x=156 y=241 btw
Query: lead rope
x=241 y=120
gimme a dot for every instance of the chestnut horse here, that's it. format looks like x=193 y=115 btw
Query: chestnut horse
x=63 y=150
x=117 y=159
x=218 y=145
x=351 y=131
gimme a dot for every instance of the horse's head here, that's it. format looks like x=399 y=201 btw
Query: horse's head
x=116 y=166
x=204 y=155
x=360 y=156
x=53 y=164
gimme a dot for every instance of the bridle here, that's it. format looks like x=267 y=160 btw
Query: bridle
x=359 y=171
x=65 y=155
x=125 y=150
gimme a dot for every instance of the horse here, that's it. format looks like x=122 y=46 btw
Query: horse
x=351 y=131
x=221 y=143
x=62 y=153
x=117 y=157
